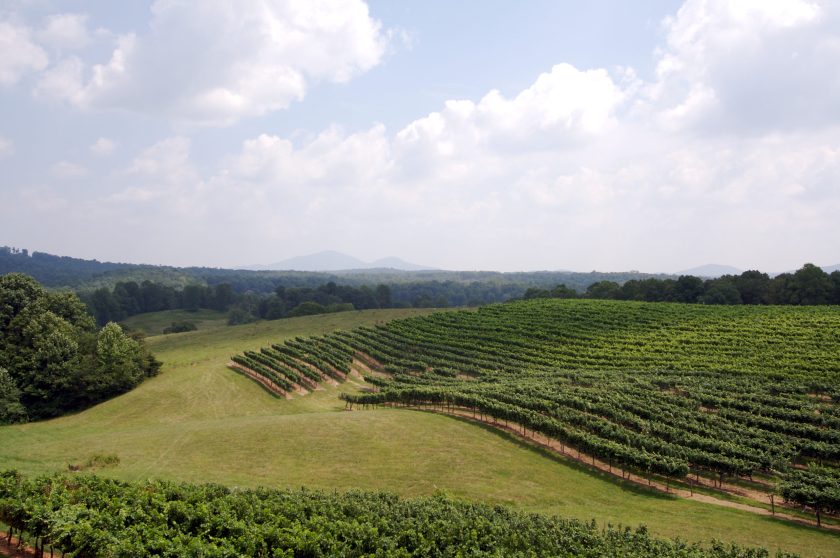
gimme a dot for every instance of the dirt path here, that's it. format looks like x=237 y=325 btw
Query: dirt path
x=652 y=484
x=12 y=550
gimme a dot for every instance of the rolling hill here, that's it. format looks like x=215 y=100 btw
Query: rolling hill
x=199 y=421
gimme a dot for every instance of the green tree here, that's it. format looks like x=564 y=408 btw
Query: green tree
x=383 y=296
x=811 y=285
x=835 y=287
x=687 y=288
x=603 y=290
x=721 y=291
x=50 y=349
x=11 y=409
x=192 y=297
x=223 y=296
x=118 y=362
x=752 y=286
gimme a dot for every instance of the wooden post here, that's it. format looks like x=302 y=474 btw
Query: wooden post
x=772 y=504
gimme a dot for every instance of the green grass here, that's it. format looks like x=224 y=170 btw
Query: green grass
x=199 y=421
x=153 y=323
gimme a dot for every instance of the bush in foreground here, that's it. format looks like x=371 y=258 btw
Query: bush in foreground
x=91 y=516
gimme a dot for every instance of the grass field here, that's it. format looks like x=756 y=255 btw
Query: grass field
x=153 y=323
x=199 y=421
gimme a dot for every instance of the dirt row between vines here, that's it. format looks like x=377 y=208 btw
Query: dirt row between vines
x=572 y=454
x=12 y=550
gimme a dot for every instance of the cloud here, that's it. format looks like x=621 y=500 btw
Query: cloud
x=749 y=66
x=68 y=170
x=226 y=60
x=21 y=55
x=103 y=147
x=7 y=148
x=65 y=31
x=728 y=153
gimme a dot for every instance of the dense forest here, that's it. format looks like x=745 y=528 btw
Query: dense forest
x=53 y=359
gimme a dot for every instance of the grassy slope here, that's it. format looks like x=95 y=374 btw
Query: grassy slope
x=153 y=323
x=198 y=421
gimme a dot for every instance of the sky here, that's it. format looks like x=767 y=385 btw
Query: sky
x=652 y=135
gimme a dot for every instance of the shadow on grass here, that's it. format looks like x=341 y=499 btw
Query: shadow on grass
x=570 y=462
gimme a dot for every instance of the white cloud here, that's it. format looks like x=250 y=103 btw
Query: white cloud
x=65 y=31
x=7 y=148
x=62 y=80
x=103 y=147
x=750 y=66
x=66 y=170
x=729 y=153
x=564 y=106
x=20 y=54
x=223 y=61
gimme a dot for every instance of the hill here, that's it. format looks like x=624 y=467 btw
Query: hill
x=457 y=287
x=198 y=421
x=330 y=260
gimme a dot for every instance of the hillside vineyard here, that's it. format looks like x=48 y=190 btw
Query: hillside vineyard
x=653 y=388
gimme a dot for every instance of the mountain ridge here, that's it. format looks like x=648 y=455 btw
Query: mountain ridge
x=333 y=260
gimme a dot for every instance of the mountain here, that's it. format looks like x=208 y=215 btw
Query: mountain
x=711 y=270
x=397 y=263
x=831 y=268
x=330 y=260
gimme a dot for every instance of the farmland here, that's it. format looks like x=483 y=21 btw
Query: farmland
x=656 y=389
x=198 y=421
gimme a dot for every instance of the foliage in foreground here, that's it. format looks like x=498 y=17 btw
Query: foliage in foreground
x=90 y=516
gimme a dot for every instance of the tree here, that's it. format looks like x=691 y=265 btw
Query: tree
x=50 y=350
x=11 y=409
x=835 y=290
x=223 y=296
x=811 y=285
x=603 y=290
x=687 y=288
x=721 y=291
x=383 y=295
x=192 y=297
x=752 y=285
x=118 y=362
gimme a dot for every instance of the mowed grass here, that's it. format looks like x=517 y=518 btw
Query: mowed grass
x=200 y=422
x=153 y=323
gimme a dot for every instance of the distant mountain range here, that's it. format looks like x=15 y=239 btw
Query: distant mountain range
x=711 y=270
x=330 y=260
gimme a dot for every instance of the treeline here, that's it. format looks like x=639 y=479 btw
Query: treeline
x=809 y=285
x=304 y=301
x=54 y=360
x=129 y=298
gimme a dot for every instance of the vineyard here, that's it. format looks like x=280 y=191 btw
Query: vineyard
x=655 y=389
x=90 y=516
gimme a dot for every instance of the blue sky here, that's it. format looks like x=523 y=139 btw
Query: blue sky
x=652 y=135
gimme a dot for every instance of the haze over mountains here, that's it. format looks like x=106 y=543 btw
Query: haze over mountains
x=331 y=260
x=711 y=270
